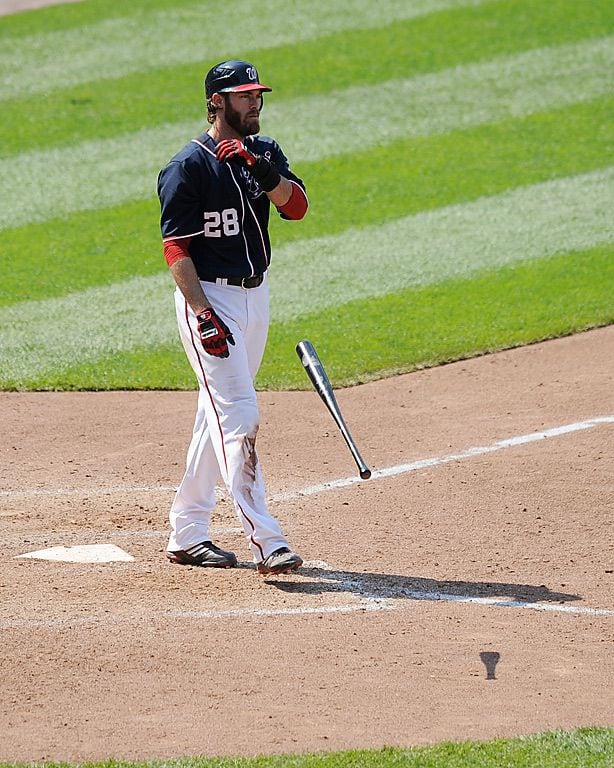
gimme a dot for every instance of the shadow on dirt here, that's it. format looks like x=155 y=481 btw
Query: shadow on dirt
x=379 y=586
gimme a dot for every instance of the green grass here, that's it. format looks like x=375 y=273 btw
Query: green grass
x=363 y=188
x=96 y=248
x=421 y=174
x=67 y=16
x=46 y=184
x=580 y=748
x=416 y=328
x=449 y=321
x=402 y=49
x=86 y=249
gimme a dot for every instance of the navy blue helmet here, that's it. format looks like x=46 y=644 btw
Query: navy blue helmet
x=233 y=77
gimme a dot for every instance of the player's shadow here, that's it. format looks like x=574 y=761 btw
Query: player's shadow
x=378 y=586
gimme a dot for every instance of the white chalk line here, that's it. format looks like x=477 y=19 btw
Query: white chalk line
x=380 y=599
x=105 y=491
x=368 y=600
x=498 y=603
x=87 y=537
x=377 y=601
x=239 y=613
x=331 y=485
x=468 y=453
x=367 y=604
x=257 y=612
x=383 y=604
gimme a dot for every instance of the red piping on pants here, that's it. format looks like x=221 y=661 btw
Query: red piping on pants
x=202 y=370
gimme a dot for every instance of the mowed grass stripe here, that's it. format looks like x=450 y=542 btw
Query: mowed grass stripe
x=64 y=16
x=428 y=325
x=423 y=249
x=41 y=185
x=518 y=304
x=526 y=223
x=113 y=244
x=405 y=48
x=424 y=173
x=465 y=95
x=44 y=62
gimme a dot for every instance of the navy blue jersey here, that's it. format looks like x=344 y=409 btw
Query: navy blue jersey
x=220 y=206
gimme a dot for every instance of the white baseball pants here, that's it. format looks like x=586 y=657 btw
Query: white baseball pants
x=226 y=425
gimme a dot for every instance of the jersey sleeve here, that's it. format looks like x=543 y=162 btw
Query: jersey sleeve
x=181 y=211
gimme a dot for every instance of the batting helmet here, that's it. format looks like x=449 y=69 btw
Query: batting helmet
x=231 y=77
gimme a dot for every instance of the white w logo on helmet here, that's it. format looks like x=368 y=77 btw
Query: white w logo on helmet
x=251 y=73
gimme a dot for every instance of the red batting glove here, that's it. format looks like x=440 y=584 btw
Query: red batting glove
x=214 y=333
x=233 y=150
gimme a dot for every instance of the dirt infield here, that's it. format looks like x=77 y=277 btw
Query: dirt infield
x=501 y=544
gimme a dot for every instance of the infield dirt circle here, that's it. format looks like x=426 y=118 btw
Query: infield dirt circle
x=498 y=543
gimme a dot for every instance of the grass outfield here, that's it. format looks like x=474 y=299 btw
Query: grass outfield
x=452 y=150
x=449 y=321
x=582 y=748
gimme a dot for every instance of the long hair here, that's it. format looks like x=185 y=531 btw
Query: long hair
x=211 y=111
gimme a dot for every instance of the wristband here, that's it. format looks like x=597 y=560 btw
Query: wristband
x=265 y=173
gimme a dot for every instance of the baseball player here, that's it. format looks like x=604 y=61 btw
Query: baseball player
x=215 y=196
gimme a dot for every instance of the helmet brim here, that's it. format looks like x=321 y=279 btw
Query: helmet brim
x=245 y=87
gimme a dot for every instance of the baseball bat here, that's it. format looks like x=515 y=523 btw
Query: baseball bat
x=315 y=370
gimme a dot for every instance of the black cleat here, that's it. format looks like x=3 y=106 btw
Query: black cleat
x=280 y=561
x=205 y=554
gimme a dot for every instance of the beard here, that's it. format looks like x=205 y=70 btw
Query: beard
x=244 y=126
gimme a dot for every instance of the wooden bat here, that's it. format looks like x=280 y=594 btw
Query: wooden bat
x=315 y=370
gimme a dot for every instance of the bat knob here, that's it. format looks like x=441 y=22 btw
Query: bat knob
x=365 y=474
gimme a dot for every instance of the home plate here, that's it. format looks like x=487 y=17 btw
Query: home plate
x=88 y=553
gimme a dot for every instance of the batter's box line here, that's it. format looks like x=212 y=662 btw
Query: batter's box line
x=498 y=603
x=87 y=537
x=258 y=613
x=370 y=600
x=337 y=581
x=382 y=605
x=367 y=601
x=468 y=453
x=395 y=593
x=238 y=613
x=332 y=485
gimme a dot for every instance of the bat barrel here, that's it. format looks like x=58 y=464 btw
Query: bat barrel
x=315 y=370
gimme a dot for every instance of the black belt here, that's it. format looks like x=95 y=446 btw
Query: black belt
x=243 y=282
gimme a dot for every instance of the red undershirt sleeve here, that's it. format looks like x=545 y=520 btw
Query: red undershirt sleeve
x=176 y=249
